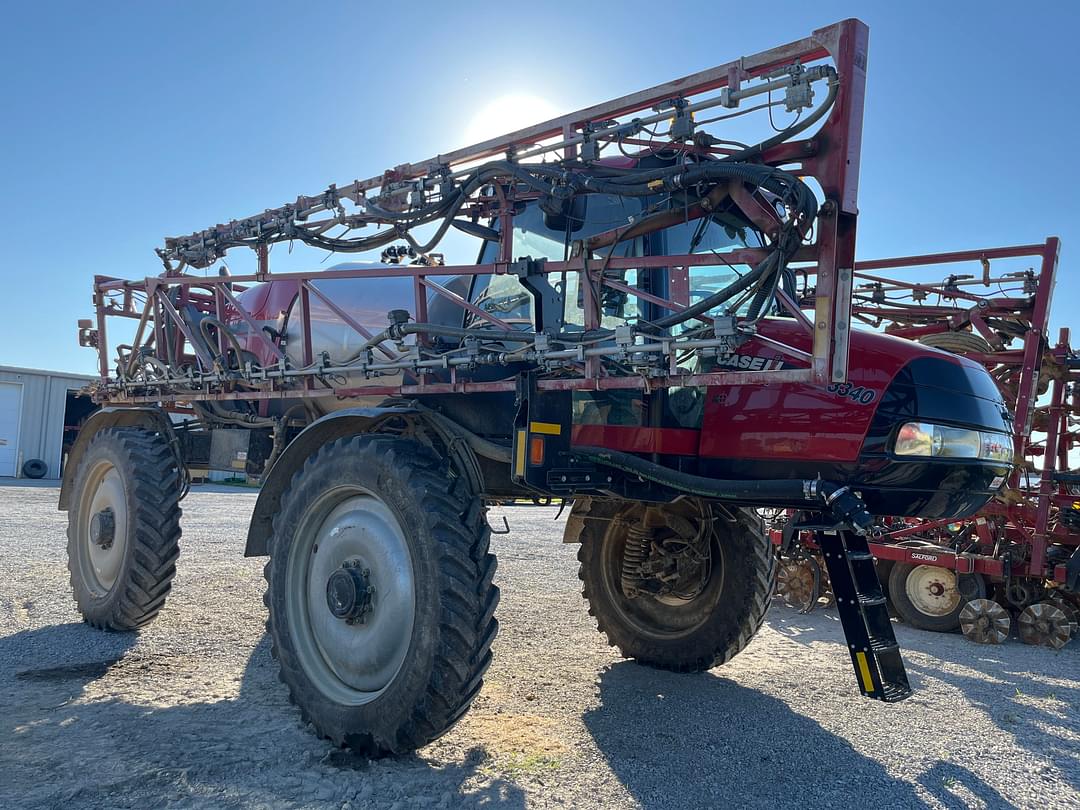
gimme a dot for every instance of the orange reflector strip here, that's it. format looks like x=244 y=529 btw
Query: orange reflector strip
x=536 y=451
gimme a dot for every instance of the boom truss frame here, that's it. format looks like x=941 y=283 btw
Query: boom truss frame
x=830 y=156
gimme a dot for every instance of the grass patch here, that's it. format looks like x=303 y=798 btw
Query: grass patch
x=528 y=764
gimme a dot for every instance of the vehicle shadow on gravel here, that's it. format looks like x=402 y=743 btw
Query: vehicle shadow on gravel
x=704 y=741
x=1031 y=693
x=71 y=735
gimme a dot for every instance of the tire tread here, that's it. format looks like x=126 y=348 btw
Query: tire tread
x=146 y=578
x=454 y=518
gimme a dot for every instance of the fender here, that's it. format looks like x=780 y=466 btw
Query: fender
x=153 y=419
x=347 y=422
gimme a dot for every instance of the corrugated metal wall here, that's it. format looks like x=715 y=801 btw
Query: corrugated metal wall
x=41 y=427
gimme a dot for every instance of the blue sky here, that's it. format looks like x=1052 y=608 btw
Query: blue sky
x=126 y=122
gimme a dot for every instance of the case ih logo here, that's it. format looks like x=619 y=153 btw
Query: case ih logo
x=748 y=361
x=927 y=557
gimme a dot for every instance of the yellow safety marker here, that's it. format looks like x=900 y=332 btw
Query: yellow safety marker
x=519 y=454
x=864 y=670
x=550 y=428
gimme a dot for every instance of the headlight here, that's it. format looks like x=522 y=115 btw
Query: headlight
x=938 y=441
x=997 y=447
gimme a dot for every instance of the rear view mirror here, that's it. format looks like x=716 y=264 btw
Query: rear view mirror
x=558 y=214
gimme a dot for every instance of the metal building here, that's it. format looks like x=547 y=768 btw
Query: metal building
x=40 y=415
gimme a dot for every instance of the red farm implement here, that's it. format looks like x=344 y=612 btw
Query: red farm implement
x=1020 y=549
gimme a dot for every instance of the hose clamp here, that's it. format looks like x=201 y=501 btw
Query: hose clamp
x=830 y=498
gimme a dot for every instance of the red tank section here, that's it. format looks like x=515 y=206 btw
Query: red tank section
x=800 y=421
x=779 y=421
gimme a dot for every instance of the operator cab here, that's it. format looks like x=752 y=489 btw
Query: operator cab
x=917 y=431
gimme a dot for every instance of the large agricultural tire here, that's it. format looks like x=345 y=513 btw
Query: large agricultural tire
x=124 y=528
x=388 y=672
x=683 y=636
x=931 y=598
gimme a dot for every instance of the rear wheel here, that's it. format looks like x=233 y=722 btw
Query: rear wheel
x=124 y=528
x=682 y=587
x=931 y=598
x=380 y=594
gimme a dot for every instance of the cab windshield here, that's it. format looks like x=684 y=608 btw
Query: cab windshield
x=534 y=236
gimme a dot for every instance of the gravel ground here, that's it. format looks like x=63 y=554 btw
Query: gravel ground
x=190 y=712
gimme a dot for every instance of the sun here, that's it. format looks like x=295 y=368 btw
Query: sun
x=507 y=114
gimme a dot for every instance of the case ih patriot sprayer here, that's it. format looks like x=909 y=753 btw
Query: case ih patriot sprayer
x=1019 y=556
x=658 y=327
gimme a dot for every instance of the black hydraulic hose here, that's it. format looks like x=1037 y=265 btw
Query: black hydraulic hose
x=398 y=331
x=677 y=178
x=840 y=501
x=766 y=292
x=544 y=178
x=786 y=134
x=428 y=211
x=281 y=427
x=210 y=410
x=149 y=360
x=716 y=299
x=208 y=321
x=500 y=335
x=445 y=210
x=480 y=445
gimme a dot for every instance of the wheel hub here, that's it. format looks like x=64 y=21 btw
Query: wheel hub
x=932 y=590
x=351 y=640
x=103 y=528
x=349 y=591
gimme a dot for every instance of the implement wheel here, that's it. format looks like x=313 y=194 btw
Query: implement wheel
x=985 y=622
x=931 y=598
x=693 y=613
x=958 y=342
x=124 y=528
x=380 y=595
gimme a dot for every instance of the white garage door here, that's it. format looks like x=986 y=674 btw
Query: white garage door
x=10 y=409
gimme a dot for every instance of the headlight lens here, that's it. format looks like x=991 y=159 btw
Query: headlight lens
x=938 y=441
x=997 y=447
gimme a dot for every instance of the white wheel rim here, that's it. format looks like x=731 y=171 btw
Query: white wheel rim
x=102 y=563
x=352 y=663
x=932 y=590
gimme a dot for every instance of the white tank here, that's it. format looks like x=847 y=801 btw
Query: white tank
x=367 y=301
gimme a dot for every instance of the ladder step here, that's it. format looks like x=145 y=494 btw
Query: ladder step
x=880 y=645
x=895 y=692
x=875 y=655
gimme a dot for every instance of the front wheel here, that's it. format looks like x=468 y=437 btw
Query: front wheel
x=682 y=587
x=380 y=594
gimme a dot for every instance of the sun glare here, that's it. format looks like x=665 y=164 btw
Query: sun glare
x=506 y=114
